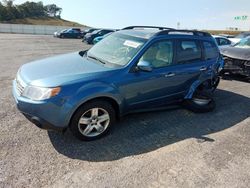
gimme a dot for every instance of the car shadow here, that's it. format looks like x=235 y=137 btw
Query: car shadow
x=141 y=133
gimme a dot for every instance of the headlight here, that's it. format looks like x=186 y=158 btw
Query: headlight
x=40 y=93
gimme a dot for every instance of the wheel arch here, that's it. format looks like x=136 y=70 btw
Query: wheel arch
x=204 y=84
x=109 y=99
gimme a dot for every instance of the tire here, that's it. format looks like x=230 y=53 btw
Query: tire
x=62 y=36
x=198 y=105
x=87 y=130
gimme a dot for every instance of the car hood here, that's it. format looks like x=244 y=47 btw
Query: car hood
x=235 y=40
x=59 y=70
x=236 y=52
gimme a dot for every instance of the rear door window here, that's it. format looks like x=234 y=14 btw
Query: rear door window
x=188 y=51
x=210 y=49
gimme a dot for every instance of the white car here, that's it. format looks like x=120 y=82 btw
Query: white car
x=222 y=41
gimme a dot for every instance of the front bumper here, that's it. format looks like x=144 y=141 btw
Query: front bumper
x=237 y=66
x=43 y=124
x=49 y=114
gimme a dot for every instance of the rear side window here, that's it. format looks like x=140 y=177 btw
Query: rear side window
x=188 y=51
x=224 y=42
x=210 y=50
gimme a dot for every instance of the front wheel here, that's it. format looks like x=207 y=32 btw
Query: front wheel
x=200 y=103
x=93 y=120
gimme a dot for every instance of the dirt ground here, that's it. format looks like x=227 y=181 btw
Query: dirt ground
x=171 y=148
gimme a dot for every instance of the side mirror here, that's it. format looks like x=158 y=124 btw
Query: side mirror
x=144 y=66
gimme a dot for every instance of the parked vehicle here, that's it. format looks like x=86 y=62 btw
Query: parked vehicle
x=131 y=70
x=86 y=31
x=90 y=36
x=71 y=33
x=240 y=36
x=237 y=58
x=222 y=41
x=57 y=34
x=227 y=36
x=98 y=39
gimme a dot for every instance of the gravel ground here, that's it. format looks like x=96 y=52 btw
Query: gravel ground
x=171 y=148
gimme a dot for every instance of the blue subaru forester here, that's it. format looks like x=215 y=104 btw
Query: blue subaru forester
x=135 y=69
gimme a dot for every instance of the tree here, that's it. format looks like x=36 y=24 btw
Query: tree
x=2 y=12
x=8 y=3
x=9 y=11
x=53 y=10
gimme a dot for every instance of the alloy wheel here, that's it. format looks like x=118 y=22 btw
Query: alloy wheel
x=93 y=122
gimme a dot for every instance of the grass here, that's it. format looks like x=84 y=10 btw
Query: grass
x=46 y=21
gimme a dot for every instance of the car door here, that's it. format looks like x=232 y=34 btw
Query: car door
x=68 y=34
x=190 y=64
x=157 y=87
x=77 y=33
x=73 y=34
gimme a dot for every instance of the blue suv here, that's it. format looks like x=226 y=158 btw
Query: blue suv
x=135 y=69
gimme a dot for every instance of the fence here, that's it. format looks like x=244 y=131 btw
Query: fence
x=31 y=29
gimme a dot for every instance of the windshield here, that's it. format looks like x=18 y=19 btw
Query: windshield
x=242 y=35
x=244 y=43
x=116 y=49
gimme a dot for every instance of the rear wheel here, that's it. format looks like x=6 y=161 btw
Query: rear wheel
x=93 y=120
x=200 y=103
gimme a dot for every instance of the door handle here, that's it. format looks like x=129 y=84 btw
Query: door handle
x=170 y=74
x=203 y=68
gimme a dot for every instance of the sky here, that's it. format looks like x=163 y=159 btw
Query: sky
x=191 y=14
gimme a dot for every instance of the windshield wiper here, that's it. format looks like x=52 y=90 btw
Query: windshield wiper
x=97 y=59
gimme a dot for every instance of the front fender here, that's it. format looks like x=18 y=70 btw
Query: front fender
x=91 y=91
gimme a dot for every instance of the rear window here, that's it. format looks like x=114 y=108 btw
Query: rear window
x=210 y=50
x=188 y=51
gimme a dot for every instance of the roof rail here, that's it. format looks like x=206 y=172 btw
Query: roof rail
x=147 y=27
x=194 y=32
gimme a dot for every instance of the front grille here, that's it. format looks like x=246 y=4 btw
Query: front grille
x=247 y=65
x=236 y=62
x=20 y=85
x=19 y=88
x=237 y=65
